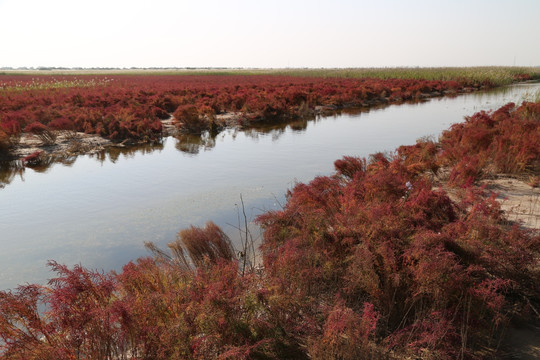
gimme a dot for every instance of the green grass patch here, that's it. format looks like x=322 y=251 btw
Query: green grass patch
x=497 y=75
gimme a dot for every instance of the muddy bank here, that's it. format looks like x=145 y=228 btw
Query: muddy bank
x=66 y=144
x=72 y=143
x=31 y=151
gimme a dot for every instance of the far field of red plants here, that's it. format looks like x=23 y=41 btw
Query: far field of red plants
x=121 y=107
x=372 y=262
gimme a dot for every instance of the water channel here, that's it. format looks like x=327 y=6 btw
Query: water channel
x=99 y=210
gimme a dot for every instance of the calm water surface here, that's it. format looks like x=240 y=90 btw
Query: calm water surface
x=99 y=210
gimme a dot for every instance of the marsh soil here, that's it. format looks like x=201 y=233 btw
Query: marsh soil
x=66 y=143
x=519 y=200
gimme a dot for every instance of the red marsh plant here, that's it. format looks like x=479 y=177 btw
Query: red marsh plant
x=504 y=141
x=420 y=157
x=359 y=263
x=188 y=118
x=370 y=262
x=194 y=303
x=191 y=303
x=148 y=99
x=10 y=132
x=346 y=334
x=76 y=324
x=62 y=123
x=441 y=277
x=34 y=159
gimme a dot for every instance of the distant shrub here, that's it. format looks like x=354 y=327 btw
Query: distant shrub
x=10 y=133
x=10 y=127
x=62 y=123
x=189 y=119
x=160 y=113
x=93 y=107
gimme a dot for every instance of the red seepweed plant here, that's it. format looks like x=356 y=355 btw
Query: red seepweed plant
x=131 y=107
x=383 y=236
x=504 y=141
x=371 y=262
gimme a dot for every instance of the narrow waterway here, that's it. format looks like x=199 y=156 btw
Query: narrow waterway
x=99 y=210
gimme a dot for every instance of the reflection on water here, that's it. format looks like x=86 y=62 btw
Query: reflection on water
x=10 y=170
x=114 y=153
x=98 y=210
x=193 y=144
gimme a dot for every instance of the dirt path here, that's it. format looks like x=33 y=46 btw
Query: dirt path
x=521 y=203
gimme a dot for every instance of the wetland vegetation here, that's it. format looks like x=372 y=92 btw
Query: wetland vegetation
x=132 y=108
x=399 y=255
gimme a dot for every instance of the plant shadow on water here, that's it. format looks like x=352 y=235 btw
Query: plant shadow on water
x=192 y=144
x=9 y=171
x=112 y=154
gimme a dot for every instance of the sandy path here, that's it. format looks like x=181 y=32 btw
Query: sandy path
x=521 y=203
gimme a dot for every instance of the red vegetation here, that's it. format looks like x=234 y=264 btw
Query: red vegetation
x=488 y=143
x=131 y=107
x=62 y=124
x=442 y=277
x=34 y=159
x=194 y=120
x=5 y=142
x=155 y=309
x=369 y=263
x=9 y=134
x=522 y=77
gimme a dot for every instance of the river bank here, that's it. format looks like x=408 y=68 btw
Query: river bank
x=67 y=143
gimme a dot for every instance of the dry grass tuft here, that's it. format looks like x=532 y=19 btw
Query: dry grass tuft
x=196 y=247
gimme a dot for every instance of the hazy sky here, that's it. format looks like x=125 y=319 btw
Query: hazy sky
x=277 y=33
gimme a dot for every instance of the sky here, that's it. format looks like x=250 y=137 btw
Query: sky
x=269 y=34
